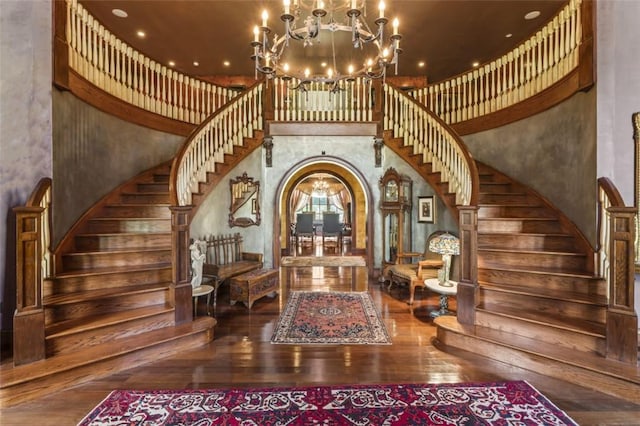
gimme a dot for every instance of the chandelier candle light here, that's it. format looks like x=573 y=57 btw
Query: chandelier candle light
x=267 y=53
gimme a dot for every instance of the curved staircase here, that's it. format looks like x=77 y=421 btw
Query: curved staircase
x=540 y=306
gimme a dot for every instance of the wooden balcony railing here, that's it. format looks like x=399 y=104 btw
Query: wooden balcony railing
x=533 y=66
x=616 y=229
x=116 y=68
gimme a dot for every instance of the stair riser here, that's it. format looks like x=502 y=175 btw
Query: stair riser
x=115 y=241
x=100 y=281
x=542 y=332
x=108 y=260
x=70 y=311
x=513 y=225
x=513 y=211
x=544 y=281
x=535 y=307
x=526 y=242
x=129 y=225
x=153 y=187
x=522 y=260
x=162 y=178
x=150 y=211
x=492 y=198
x=143 y=198
x=80 y=340
x=495 y=187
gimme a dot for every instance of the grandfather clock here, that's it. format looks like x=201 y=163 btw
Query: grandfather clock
x=395 y=206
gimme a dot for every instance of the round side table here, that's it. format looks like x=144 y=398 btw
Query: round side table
x=434 y=285
x=202 y=290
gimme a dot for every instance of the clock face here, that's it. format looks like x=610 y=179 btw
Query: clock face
x=391 y=191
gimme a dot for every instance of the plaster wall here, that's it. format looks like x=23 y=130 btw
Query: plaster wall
x=94 y=152
x=554 y=153
x=25 y=123
x=289 y=154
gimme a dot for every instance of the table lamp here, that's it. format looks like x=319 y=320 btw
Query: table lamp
x=446 y=245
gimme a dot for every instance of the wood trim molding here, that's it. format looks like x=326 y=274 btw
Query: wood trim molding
x=109 y=104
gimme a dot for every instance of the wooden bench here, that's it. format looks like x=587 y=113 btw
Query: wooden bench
x=225 y=259
x=249 y=287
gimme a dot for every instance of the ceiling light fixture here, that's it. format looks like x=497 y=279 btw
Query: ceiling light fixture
x=226 y=63
x=141 y=34
x=267 y=53
x=119 y=13
x=508 y=35
x=196 y=63
x=532 y=15
x=421 y=64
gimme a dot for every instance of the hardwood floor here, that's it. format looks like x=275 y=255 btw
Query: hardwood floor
x=242 y=356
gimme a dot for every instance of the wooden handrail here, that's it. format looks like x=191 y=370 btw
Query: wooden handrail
x=212 y=139
x=616 y=232
x=33 y=265
x=432 y=137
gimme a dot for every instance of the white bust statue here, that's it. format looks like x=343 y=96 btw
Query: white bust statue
x=198 y=253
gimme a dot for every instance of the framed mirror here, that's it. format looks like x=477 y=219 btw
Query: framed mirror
x=245 y=201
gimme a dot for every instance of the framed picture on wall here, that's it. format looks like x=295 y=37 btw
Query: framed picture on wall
x=426 y=209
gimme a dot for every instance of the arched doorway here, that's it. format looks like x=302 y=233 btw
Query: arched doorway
x=361 y=211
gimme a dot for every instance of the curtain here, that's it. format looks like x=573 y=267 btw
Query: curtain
x=297 y=201
x=341 y=199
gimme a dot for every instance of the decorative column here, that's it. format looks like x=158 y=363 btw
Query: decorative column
x=28 y=320
x=181 y=265
x=467 y=297
x=378 y=143
x=622 y=321
x=267 y=144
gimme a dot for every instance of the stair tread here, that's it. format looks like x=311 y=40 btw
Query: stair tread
x=559 y=294
x=69 y=327
x=547 y=319
x=113 y=270
x=588 y=360
x=128 y=218
x=537 y=269
x=530 y=251
x=121 y=234
x=541 y=271
x=81 y=296
x=13 y=375
x=525 y=234
x=513 y=219
x=119 y=250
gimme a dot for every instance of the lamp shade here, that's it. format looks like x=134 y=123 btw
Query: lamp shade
x=445 y=244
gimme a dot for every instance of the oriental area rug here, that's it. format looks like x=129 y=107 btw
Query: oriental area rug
x=312 y=317
x=500 y=403
x=296 y=261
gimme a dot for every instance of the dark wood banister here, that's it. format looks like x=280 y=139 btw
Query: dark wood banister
x=622 y=320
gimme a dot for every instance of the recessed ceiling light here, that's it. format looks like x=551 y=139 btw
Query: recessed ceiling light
x=323 y=64
x=475 y=64
x=421 y=64
x=172 y=64
x=508 y=35
x=141 y=34
x=120 y=13
x=226 y=63
x=196 y=63
x=532 y=15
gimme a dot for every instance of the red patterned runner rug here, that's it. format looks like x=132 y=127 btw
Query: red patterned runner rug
x=500 y=403
x=312 y=317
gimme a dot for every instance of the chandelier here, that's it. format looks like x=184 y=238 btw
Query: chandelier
x=268 y=53
x=320 y=188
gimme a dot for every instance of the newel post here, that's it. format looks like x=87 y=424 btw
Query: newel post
x=467 y=297
x=180 y=261
x=622 y=320
x=28 y=320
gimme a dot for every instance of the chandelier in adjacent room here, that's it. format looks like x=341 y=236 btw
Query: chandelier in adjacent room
x=305 y=20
